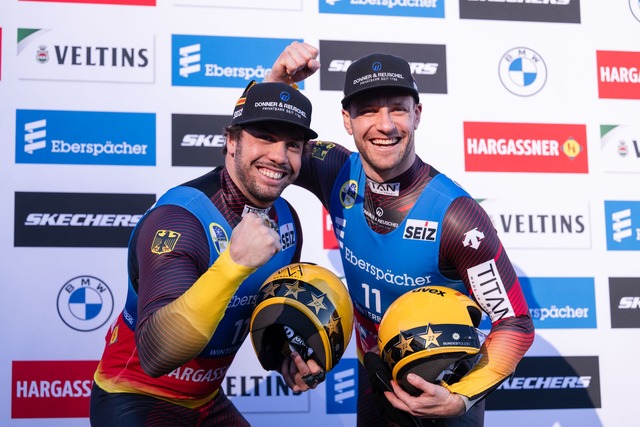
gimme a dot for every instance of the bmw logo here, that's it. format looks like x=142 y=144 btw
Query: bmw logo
x=85 y=303
x=522 y=71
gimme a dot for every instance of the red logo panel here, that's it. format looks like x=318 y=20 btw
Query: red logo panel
x=120 y=2
x=525 y=147
x=51 y=389
x=618 y=74
x=329 y=240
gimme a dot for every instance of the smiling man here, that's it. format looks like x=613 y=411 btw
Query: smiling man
x=196 y=261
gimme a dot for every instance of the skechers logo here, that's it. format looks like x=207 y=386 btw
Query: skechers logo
x=202 y=140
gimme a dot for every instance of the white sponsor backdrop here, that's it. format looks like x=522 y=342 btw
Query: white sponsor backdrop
x=32 y=329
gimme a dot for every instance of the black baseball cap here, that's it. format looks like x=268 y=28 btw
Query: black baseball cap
x=273 y=102
x=378 y=70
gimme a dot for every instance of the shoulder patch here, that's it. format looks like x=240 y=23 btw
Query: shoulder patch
x=320 y=149
x=164 y=241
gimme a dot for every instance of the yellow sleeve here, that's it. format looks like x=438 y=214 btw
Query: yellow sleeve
x=177 y=332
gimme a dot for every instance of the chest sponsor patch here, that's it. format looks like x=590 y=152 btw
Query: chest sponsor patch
x=419 y=229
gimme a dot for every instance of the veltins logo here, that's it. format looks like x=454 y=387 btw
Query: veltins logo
x=624 y=299
x=197 y=140
x=623 y=225
x=85 y=303
x=117 y=2
x=526 y=224
x=64 y=54
x=522 y=71
x=550 y=383
x=428 y=62
x=222 y=61
x=525 y=147
x=618 y=74
x=533 y=11
x=51 y=389
x=85 y=220
x=620 y=148
x=342 y=387
x=83 y=137
x=573 y=308
x=415 y=8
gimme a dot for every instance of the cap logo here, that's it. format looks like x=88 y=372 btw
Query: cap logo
x=376 y=66
x=285 y=96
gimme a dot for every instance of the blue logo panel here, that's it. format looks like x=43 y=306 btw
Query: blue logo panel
x=223 y=61
x=85 y=138
x=623 y=225
x=558 y=302
x=342 y=387
x=415 y=8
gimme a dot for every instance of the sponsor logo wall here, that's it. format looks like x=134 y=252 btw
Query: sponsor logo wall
x=106 y=104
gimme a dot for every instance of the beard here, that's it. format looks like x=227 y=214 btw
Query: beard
x=245 y=171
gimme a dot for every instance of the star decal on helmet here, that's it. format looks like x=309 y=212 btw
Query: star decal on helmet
x=294 y=289
x=430 y=337
x=332 y=326
x=317 y=302
x=271 y=289
x=405 y=343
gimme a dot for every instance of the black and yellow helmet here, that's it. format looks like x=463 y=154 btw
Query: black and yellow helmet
x=302 y=307
x=427 y=331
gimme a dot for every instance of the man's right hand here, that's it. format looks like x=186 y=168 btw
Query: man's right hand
x=296 y=63
x=253 y=242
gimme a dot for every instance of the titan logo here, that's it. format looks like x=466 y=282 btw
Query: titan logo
x=419 y=68
x=490 y=291
x=189 y=60
x=34 y=137
x=621 y=225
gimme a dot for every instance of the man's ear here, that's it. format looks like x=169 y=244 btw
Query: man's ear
x=231 y=145
x=346 y=120
x=418 y=112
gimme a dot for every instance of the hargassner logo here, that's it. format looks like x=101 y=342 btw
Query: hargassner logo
x=77 y=219
x=525 y=224
x=51 y=389
x=618 y=74
x=85 y=137
x=222 y=61
x=620 y=148
x=61 y=54
x=522 y=10
x=623 y=225
x=197 y=140
x=525 y=147
x=550 y=383
x=342 y=387
x=415 y=8
x=428 y=62
x=522 y=71
x=624 y=299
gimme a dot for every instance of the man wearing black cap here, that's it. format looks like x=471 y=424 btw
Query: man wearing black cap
x=402 y=224
x=196 y=261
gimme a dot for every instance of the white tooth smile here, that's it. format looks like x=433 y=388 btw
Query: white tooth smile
x=271 y=174
x=383 y=141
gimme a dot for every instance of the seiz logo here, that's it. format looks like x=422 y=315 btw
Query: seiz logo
x=418 y=229
x=189 y=60
x=417 y=68
x=34 y=136
x=287 y=236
